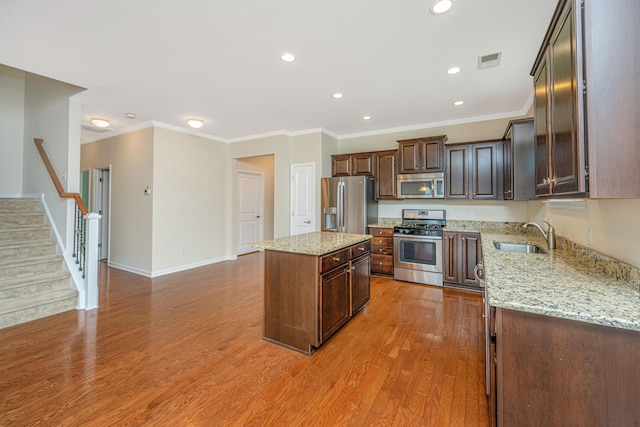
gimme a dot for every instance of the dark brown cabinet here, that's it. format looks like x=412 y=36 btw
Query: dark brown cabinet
x=308 y=298
x=421 y=155
x=360 y=286
x=462 y=252
x=352 y=164
x=547 y=371
x=585 y=111
x=472 y=171
x=518 y=160
x=381 y=250
x=335 y=303
x=386 y=172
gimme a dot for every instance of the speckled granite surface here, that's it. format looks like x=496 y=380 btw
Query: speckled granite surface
x=387 y=222
x=563 y=283
x=479 y=226
x=316 y=243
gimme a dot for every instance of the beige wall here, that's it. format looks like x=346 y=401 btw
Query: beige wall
x=189 y=200
x=131 y=158
x=280 y=147
x=330 y=145
x=51 y=114
x=466 y=132
x=12 y=91
x=613 y=225
x=263 y=165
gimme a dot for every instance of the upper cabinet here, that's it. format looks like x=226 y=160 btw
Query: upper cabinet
x=421 y=155
x=518 y=160
x=382 y=165
x=386 y=167
x=472 y=171
x=586 y=101
x=352 y=164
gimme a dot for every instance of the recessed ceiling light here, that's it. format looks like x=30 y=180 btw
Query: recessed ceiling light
x=287 y=57
x=458 y=103
x=337 y=95
x=454 y=70
x=366 y=117
x=101 y=123
x=441 y=6
x=195 y=123
x=130 y=115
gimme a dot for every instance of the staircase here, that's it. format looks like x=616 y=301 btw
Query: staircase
x=33 y=281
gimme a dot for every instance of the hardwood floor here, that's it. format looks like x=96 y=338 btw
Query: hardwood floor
x=186 y=349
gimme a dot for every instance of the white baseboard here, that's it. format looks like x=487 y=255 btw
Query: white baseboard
x=164 y=272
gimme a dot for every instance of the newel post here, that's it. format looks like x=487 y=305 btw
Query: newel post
x=93 y=224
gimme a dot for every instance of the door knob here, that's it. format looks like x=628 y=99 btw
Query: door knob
x=307 y=222
x=257 y=216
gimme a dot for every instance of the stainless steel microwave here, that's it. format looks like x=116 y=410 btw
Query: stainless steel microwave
x=421 y=186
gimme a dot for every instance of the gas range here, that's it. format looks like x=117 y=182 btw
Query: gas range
x=421 y=222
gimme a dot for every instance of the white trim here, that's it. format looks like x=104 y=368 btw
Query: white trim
x=171 y=270
x=10 y=196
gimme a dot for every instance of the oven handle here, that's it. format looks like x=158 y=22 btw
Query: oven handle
x=416 y=238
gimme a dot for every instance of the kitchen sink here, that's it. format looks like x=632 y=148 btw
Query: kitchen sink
x=519 y=247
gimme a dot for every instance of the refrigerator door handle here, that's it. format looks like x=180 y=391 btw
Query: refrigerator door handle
x=341 y=207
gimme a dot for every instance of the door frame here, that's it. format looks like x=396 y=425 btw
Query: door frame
x=260 y=236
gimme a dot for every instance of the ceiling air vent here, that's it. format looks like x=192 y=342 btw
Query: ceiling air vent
x=490 y=60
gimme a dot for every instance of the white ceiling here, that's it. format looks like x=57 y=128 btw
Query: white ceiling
x=219 y=60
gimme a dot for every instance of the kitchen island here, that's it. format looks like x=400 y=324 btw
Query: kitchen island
x=563 y=335
x=314 y=283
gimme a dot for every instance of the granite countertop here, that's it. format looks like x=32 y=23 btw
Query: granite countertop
x=556 y=284
x=316 y=243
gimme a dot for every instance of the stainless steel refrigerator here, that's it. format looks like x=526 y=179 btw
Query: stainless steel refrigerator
x=348 y=204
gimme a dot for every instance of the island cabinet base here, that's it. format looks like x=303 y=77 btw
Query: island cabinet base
x=307 y=298
x=291 y=300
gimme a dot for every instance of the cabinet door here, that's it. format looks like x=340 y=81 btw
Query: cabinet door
x=386 y=174
x=341 y=165
x=484 y=182
x=507 y=169
x=335 y=301
x=457 y=181
x=410 y=157
x=450 y=264
x=542 y=142
x=433 y=156
x=564 y=114
x=470 y=256
x=362 y=164
x=360 y=291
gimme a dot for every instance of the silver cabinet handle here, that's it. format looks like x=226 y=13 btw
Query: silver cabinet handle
x=476 y=269
x=335 y=258
x=361 y=248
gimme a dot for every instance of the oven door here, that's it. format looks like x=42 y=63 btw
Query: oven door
x=423 y=253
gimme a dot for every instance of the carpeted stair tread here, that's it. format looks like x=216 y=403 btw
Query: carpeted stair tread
x=33 y=280
x=21 y=303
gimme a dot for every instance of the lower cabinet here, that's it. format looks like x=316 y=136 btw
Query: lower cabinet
x=547 y=371
x=381 y=250
x=462 y=252
x=308 y=298
x=334 y=300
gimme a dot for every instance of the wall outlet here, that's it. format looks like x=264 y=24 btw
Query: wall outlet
x=590 y=237
x=472 y=215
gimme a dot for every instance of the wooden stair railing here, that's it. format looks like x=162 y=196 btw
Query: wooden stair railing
x=56 y=182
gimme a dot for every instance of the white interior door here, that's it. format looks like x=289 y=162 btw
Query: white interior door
x=250 y=216
x=101 y=180
x=303 y=198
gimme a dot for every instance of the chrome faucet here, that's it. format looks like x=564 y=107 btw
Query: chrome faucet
x=550 y=235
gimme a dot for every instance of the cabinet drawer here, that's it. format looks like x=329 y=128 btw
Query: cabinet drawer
x=382 y=264
x=359 y=249
x=382 y=241
x=381 y=232
x=382 y=250
x=334 y=259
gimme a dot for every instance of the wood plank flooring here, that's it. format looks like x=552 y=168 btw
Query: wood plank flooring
x=186 y=350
